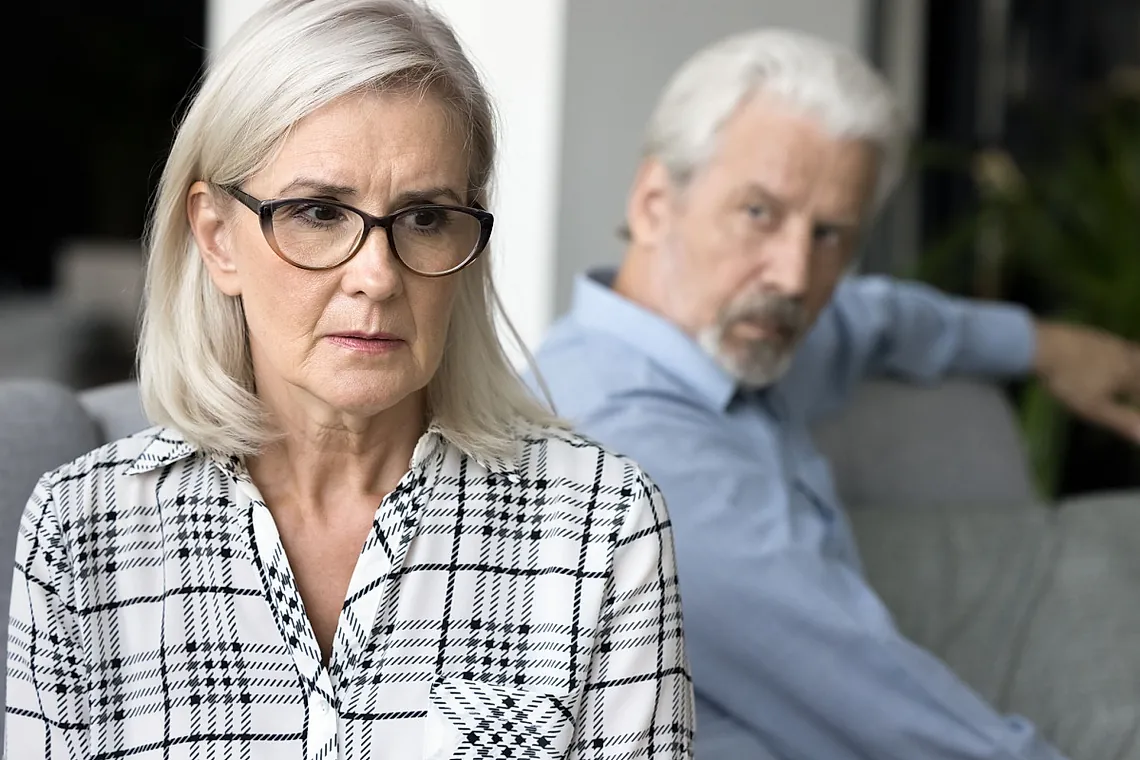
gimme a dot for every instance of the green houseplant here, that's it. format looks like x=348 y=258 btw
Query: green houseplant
x=1070 y=226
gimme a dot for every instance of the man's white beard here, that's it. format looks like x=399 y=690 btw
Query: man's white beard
x=756 y=366
x=758 y=363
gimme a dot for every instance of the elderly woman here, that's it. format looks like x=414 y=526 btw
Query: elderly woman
x=354 y=534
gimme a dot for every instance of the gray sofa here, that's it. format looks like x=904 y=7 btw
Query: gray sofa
x=884 y=453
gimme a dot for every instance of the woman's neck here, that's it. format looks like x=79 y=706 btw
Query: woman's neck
x=327 y=459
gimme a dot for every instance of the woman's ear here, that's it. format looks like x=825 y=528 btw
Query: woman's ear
x=208 y=225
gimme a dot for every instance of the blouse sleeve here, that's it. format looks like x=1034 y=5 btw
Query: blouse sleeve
x=47 y=706
x=638 y=700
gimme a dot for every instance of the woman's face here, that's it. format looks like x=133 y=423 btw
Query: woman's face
x=368 y=335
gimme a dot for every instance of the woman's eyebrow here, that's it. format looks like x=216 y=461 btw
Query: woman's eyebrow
x=312 y=186
x=325 y=189
x=427 y=195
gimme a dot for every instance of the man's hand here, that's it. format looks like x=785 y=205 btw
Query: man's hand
x=1094 y=373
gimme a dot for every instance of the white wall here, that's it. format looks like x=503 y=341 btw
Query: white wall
x=620 y=54
x=223 y=17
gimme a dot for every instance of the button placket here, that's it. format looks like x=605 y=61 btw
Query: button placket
x=364 y=620
x=323 y=738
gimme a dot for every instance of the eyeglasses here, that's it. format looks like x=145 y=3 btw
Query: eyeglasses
x=431 y=240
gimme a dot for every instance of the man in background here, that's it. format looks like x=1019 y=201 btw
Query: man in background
x=730 y=328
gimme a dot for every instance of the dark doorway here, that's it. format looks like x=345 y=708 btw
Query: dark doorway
x=95 y=110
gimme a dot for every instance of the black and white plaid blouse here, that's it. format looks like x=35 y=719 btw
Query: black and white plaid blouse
x=507 y=609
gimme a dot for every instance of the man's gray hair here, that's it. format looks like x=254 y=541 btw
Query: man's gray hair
x=826 y=81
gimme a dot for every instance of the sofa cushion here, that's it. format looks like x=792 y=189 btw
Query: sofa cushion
x=955 y=444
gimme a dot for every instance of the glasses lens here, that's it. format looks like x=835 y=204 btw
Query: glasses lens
x=434 y=239
x=314 y=234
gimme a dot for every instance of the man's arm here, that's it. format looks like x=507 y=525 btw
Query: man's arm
x=883 y=326
x=879 y=325
x=795 y=647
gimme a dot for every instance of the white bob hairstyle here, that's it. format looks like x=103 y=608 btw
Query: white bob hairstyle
x=823 y=80
x=290 y=59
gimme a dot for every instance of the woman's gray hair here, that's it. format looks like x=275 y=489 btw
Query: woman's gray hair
x=826 y=81
x=290 y=59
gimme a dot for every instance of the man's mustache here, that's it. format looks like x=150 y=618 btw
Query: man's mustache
x=788 y=315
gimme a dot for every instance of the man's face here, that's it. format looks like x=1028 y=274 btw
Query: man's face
x=753 y=247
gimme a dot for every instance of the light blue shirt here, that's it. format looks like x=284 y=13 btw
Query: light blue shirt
x=794 y=656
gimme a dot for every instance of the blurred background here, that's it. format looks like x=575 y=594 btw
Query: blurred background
x=1025 y=183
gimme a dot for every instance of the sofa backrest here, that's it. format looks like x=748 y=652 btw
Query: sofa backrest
x=955 y=444
x=116 y=410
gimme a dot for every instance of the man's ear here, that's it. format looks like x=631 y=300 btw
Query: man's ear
x=651 y=201
x=208 y=225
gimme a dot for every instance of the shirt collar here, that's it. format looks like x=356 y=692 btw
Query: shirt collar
x=168 y=446
x=597 y=306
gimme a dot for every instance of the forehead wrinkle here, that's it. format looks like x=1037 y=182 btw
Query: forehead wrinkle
x=766 y=138
x=380 y=158
x=793 y=160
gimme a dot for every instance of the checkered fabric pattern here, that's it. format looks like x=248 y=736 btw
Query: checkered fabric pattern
x=507 y=609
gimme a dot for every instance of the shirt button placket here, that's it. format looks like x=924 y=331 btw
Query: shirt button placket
x=323 y=728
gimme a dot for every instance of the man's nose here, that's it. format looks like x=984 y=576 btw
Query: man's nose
x=787 y=261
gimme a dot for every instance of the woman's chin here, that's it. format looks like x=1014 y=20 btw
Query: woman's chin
x=365 y=401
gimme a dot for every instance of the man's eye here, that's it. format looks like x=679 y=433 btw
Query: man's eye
x=828 y=237
x=757 y=211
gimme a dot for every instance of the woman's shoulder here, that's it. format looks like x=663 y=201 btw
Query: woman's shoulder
x=113 y=457
x=88 y=480
x=586 y=478
x=566 y=454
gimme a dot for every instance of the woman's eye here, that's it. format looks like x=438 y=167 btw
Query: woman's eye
x=323 y=213
x=427 y=221
x=425 y=218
